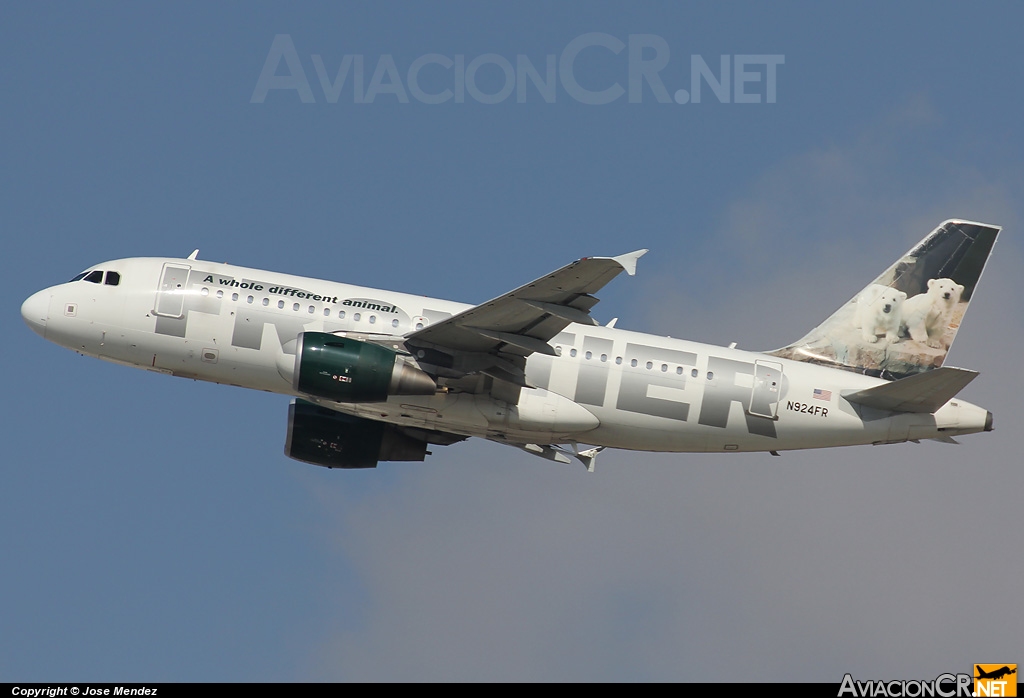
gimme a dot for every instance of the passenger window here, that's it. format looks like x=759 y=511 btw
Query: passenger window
x=234 y=296
x=633 y=363
x=295 y=307
x=280 y=305
x=711 y=375
x=693 y=373
x=588 y=355
x=558 y=351
x=266 y=302
x=618 y=360
x=373 y=319
x=249 y=300
x=341 y=314
x=356 y=316
x=113 y=278
x=650 y=365
x=664 y=368
x=327 y=312
x=94 y=277
x=419 y=326
x=572 y=353
x=220 y=294
x=312 y=310
x=679 y=370
x=394 y=323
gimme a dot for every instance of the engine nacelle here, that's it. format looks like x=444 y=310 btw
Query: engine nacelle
x=324 y=437
x=350 y=370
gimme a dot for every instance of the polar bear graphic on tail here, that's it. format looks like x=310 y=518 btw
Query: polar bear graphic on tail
x=879 y=311
x=926 y=315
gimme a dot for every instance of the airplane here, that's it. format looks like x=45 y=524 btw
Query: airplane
x=994 y=674
x=379 y=376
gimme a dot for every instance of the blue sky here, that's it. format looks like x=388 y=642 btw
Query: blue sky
x=152 y=528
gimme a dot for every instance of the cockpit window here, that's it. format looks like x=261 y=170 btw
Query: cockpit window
x=79 y=277
x=94 y=277
x=113 y=278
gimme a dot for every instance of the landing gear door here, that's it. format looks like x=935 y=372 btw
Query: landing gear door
x=170 y=296
x=764 y=400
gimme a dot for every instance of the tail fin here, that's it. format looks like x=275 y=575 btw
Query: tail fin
x=904 y=322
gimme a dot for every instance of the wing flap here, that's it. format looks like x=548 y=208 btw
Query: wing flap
x=563 y=312
x=522 y=341
x=922 y=393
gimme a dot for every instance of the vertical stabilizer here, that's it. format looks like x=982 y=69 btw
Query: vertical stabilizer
x=904 y=322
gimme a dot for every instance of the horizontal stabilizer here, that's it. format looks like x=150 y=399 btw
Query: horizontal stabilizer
x=923 y=392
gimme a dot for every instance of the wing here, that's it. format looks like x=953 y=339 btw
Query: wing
x=494 y=338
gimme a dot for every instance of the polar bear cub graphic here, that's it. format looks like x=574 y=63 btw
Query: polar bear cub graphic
x=926 y=315
x=879 y=312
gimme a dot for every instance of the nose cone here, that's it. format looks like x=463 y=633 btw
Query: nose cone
x=35 y=310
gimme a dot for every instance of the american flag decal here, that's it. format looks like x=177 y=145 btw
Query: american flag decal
x=822 y=394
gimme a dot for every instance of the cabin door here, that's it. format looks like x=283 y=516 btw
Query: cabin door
x=764 y=399
x=170 y=296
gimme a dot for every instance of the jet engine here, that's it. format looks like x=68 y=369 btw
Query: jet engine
x=331 y=439
x=350 y=370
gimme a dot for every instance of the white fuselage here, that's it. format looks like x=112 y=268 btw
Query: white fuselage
x=607 y=386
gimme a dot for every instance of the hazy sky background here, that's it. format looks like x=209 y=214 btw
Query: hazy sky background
x=152 y=529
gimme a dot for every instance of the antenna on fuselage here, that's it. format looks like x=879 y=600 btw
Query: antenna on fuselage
x=195 y=254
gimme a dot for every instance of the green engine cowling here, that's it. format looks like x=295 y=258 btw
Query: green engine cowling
x=330 y=439
x=349 y=370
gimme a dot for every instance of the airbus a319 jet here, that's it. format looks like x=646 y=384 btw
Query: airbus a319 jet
x=379 y=376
